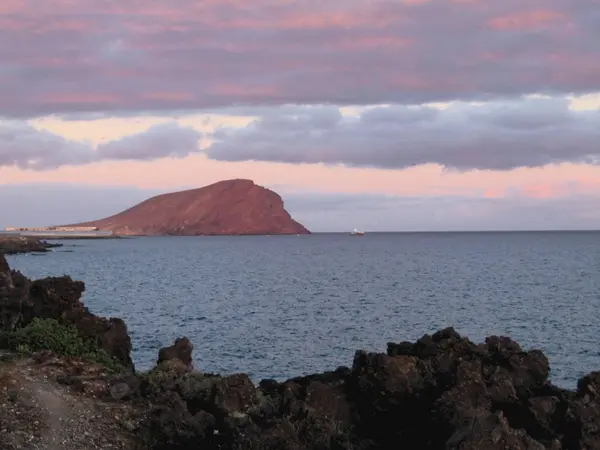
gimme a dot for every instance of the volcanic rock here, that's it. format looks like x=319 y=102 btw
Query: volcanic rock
x=442 y=392
x=59 y=298
x=11 y=245
x=181 y=350
x=230 y=207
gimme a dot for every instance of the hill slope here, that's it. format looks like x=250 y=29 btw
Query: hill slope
x=230 y=207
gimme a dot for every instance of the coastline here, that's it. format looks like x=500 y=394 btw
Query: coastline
x=14 y=244
x=57 y=237
x=440 y=392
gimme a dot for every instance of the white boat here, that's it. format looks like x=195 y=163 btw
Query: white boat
x=356 y=232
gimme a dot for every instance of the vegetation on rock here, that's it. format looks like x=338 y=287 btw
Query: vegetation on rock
x=51 y=311
x=64 y=340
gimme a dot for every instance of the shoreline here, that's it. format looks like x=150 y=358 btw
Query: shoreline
x=55 y=237
x=50 y=237
x=14 y=244
x=440 y=392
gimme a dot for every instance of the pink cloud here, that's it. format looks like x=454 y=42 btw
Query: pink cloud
x=12 y=6
x=526 y=20
x=32 y=24
x=223 y=53
x=494 y=193
x=552 y=189
x=540 y=191
x=234 y=90
x=169 y=96
x=79 y=98
x=394 y=43
x=46 y=61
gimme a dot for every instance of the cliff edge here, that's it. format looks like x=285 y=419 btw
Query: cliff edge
x=229 y=207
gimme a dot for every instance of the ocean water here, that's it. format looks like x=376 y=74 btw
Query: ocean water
x=282 y=306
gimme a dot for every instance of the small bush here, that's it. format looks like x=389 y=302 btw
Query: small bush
x=49 y=334
x=164 y=377
x=23 y=349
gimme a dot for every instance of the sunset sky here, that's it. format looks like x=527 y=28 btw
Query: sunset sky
x=383 y=115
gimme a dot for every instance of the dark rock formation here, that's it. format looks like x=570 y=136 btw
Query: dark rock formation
x=11 y=245
x=181 y=350
x=22 y=300
x=231 y=207
x=441 y=392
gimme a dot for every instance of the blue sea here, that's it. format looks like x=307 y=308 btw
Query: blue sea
x=282 y=306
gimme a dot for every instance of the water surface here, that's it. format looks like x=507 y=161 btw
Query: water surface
x=281 y=306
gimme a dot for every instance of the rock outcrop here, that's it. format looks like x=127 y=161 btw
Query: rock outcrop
x=11 y=245
x=22 y=300
x=230 y=207
x=442 y=392
x=180 y=351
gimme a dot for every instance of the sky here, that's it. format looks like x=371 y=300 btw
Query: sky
x=385 y=115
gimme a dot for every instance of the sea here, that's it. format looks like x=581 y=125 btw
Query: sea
x=283 y=306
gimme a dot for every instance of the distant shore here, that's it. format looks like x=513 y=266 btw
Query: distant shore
x=15 y=244
x=57 y=236
x=60 y=237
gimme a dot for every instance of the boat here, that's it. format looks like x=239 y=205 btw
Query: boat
x=356 y=232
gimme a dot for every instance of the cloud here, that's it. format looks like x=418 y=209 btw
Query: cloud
x=25 y=147
x=84 y=56
x=500 y=135
x=161 y=140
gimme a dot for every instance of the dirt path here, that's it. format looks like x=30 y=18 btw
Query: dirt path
x=36 y=412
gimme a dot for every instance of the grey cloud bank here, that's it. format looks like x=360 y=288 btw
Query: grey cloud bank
x=25 y=147
x=500 y=135
x=44 y=204
x=495 y=135
x=160 y=141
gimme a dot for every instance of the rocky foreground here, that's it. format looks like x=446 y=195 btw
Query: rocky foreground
x=11 y=245
x=441 y=392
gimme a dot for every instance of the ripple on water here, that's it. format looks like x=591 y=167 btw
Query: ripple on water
x=283 y=306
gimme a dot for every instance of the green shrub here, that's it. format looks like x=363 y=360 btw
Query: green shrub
x=49 y=334
x=23 y=349
x=166 y=376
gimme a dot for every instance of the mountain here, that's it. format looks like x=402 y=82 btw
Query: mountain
x=230 y=207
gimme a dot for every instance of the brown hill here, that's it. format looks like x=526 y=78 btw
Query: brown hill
x=230 y=207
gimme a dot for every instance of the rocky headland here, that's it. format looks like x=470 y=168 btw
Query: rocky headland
x=229 y=207
x=67 y=382
x=13 y=244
